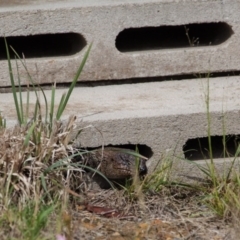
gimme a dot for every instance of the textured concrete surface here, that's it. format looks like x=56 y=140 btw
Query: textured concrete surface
x=161 y=115
x=101 y=21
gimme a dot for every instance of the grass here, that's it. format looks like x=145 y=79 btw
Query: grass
x=221 y=192
x=30 y=221
x=223 y=187
x=36 y=170
x=36 y=145
x=39 y=182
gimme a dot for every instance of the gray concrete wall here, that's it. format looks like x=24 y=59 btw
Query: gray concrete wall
x=164 y=117
x=161 y=115
x=100 y=22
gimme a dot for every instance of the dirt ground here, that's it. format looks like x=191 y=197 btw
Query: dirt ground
x=109 y=215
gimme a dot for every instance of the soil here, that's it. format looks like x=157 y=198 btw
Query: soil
x=108 y=214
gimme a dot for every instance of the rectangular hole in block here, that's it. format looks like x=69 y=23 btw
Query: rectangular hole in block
x=172 y=37
x=44 y=45
x=222 y=147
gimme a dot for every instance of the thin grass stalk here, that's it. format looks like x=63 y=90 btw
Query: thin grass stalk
x=25 y=67
x=234 y=198
x=138 y=186
x=37 y=105
x=51 y=113
x=7 y=186
x=237 y=179
x=27 y=105
x=2 y=121
x=209 y=123
x=59 y=107
x=232 y=164
x=20 y=93
x=34 y=136
x=63 y=104
x=29 y=76
x=36 y=109
x=224 y=136
x=46 y=105
x=39 y=134
x=13 y=84
x=44 y=185
x=211 y=167
x=29 y=134
x=201 y=150
x=36 y=208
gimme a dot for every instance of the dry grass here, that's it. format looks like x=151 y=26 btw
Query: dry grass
x=36 y=167
x=43 y=193
x=167 y=215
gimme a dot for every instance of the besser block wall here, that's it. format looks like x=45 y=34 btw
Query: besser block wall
x=163 y=118
x=54 y=36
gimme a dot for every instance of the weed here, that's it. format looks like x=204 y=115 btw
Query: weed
x=160 y=177
x=34 y=221
x=222 y=189
x=25 y=222
x=23 y=115
x=30 y=149
x=2 y=121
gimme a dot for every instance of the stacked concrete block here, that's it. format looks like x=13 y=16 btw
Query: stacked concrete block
x=130 y=39
x=133 y=39
x=160 y=117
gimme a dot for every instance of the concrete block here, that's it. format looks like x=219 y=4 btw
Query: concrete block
x=160 y=115
x=131 y=39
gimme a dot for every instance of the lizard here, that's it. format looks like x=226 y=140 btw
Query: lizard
x=115 y=163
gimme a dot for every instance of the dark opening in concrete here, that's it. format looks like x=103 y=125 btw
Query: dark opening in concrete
x=171 y=37
x=198 y=148
x=44 y=45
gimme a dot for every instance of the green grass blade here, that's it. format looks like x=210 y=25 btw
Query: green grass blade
x=20 y=92
x=60 y=163
x=51 y=113
x=29 y=134
x=43 y=215
x=27 y=106
x=29 y=76
x=46 y=104
x=63 y=164
x=43 y=182
x=41 y=221
x=64 y=103
x=25 y=67
x=230 y=170
x=35 y=112
x=13 y=84
x=44 y=185
x=59 y=107
x=203 y=169
x=2 y=121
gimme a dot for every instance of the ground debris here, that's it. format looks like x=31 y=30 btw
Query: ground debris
x=161 y=218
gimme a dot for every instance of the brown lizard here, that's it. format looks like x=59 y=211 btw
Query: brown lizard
x=115 y=163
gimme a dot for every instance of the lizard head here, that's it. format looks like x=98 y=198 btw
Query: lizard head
x=121 y=164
